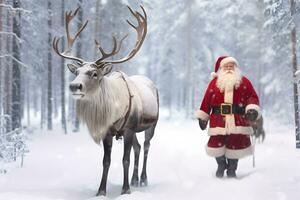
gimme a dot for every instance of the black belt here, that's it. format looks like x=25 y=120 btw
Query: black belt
x=228 y=109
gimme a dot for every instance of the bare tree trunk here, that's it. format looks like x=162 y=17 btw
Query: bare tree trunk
x=28 y=98
x=178 y=99
x=152 y=68
x=71 y=104
x=260 y=9
x=189 y=68
x=7 y=72
x=97 y=23
x=22 y=92
x=63 y=80
x=1 y=86
x=55 y=99
x=16 y=71
x=8 y=96
x=296 y=101
x=49 y=86
x=78 y=53
x=1 y=65
x=35 y=102
x=43 y=102
x=294 y=63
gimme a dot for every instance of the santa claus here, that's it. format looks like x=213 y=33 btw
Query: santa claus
x=229 y=103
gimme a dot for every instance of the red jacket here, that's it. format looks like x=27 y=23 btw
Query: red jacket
x=244 y=96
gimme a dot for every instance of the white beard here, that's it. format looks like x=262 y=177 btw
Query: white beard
x=228 y=80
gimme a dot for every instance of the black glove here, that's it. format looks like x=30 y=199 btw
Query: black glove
x=202 y=124
x=251 y=115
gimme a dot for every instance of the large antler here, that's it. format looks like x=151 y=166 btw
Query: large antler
x=116 y=48
x=141 y=30
x=68 y=18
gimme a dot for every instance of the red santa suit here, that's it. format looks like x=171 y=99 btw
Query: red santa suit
x=229 y=133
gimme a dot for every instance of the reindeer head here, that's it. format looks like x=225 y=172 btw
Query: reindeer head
x=90 y=74
x=88 y=77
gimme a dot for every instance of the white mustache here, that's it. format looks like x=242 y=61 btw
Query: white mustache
x=229 y=72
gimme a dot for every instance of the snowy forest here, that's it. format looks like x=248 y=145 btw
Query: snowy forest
x=184 y=39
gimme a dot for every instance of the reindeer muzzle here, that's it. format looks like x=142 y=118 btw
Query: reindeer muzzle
x=76 y=89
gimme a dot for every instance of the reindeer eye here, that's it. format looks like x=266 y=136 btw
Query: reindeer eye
x=94 y=75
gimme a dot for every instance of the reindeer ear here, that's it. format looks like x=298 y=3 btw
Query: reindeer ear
x=106 y=68
x=72 y=68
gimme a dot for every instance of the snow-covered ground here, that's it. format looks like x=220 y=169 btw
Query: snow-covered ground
x=68 y=167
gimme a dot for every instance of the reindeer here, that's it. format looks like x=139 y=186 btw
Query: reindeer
x=116 y=104
x=258 y=129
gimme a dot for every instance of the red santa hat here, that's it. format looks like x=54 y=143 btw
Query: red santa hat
x=221 y=61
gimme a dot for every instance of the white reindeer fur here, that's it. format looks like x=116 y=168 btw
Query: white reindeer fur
x=104 y=107
x=110 y=102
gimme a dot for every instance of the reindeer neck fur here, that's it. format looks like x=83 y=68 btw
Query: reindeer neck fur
x=104 y=107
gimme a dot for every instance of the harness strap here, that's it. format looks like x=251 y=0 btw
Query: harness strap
x=121 y=131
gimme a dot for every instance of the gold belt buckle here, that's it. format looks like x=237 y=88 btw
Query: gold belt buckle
x=226 y=109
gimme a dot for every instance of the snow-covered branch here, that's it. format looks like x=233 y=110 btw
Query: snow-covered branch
x=14 y=9
x=12 y=57
x=13 y=34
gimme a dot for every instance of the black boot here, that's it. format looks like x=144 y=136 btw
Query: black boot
x=222 y=165
x=232 y=166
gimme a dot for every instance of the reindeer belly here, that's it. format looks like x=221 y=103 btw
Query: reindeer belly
x=148 y=100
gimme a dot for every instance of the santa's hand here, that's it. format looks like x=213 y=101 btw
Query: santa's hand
x=251 y=115
x=202 y=124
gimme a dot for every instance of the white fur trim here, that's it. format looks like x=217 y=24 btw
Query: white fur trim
x=200 y=114
x=215 y=152
x=244 y=130
x=238 y=153
x=255 y=107
x=229 y=123
x=229 y=119
x=228 y=60
x=228 y=96
x=213 y=75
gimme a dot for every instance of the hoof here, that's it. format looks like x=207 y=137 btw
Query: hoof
x=144 y=180
x=126 y=191
x=134 y=182
x=144 y=183
x=101 y=193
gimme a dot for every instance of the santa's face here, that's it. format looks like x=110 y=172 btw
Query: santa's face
x=229 y=77
x=229 y=67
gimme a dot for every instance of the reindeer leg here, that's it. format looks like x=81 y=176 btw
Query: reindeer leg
x=137 y=149
x=107 y=144
x=148 y=136
x=128 y=138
